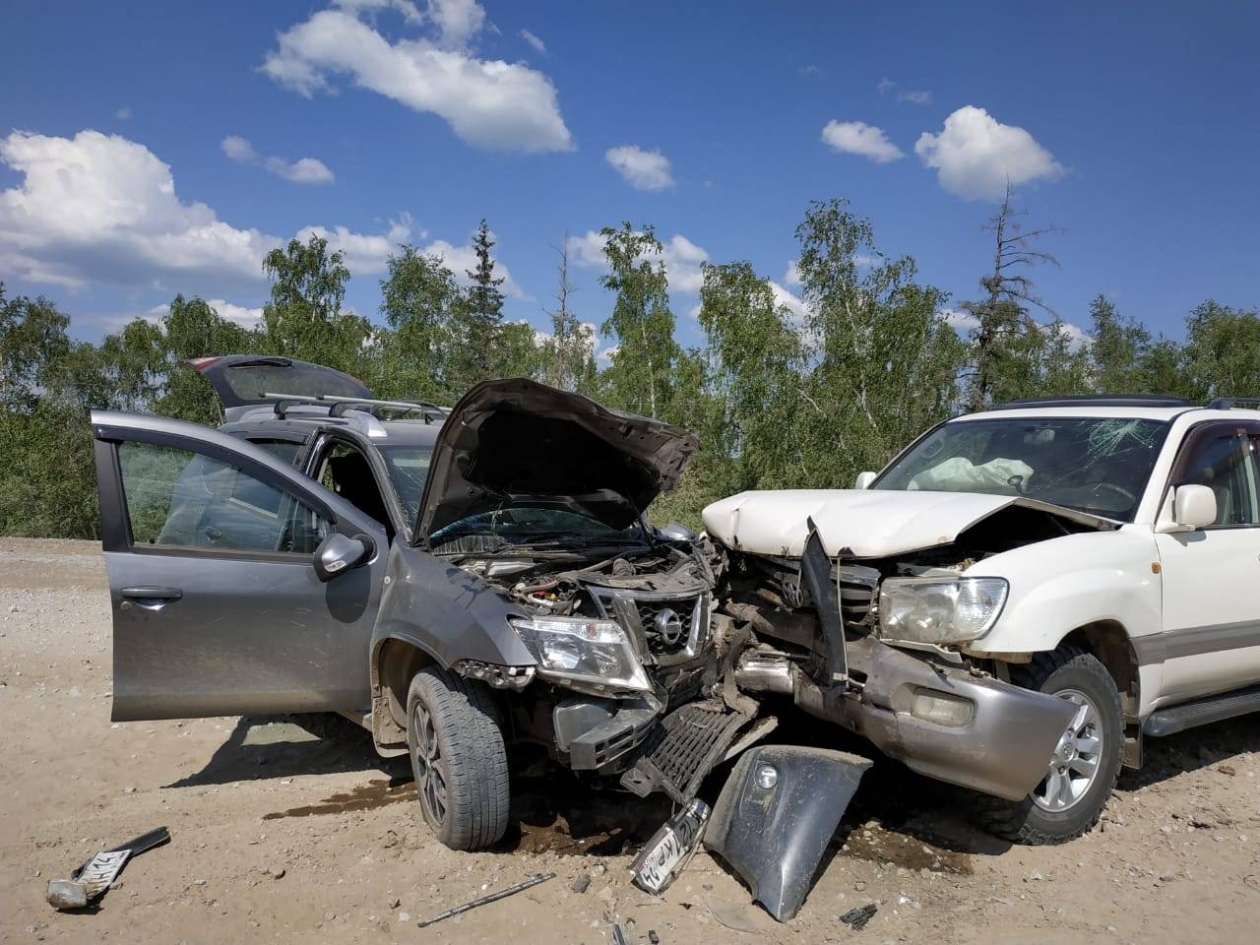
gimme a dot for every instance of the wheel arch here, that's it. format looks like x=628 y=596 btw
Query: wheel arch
x=395 y=662
x=1108 y=641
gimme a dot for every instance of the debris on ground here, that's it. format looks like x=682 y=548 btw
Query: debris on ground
x=671 y=847
x=582 y=883
x=856 y=919
x=100 y=872
x=486 y=900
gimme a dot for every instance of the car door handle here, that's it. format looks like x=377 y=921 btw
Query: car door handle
x=150 y=598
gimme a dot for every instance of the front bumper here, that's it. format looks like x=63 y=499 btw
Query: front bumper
x=1002 y=748
x=596 y=734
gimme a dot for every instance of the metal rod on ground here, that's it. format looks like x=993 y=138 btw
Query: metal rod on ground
x=493 y=897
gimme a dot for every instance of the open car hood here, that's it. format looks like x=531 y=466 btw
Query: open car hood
x=519 y=438
x=858 y=523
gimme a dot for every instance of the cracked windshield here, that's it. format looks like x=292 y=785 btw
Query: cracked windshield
x=1097 y=465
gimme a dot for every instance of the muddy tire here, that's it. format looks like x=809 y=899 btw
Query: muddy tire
x=1083 y=770
x=458 y=758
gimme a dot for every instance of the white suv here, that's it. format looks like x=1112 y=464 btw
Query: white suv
x=1097 y=550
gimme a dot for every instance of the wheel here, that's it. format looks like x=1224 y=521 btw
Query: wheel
x=458 y=758
x=1083 y=768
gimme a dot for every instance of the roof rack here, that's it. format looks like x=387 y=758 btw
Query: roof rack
x=1229 y=403
x=1097 y=400
x=337 y=406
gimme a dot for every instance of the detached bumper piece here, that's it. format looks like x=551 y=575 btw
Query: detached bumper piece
x=775 y=816
x=690 y=741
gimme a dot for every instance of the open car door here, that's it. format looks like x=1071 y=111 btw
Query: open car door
x=237 y=585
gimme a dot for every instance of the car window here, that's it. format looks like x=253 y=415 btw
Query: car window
x=347 y=472
x=1098 y=465
x=177 y=498
x=408 y=468
x=284 y=450
x=1227 y=466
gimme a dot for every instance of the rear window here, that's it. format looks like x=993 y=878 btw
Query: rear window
x=250 y=382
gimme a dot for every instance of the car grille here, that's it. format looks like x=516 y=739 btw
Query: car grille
x=859 y=593
x=646 y=617
x=674 y=639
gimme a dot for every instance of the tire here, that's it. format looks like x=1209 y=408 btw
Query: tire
x=458 y=758
x=1060 y=810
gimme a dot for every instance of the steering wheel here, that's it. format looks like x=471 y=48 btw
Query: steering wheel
x=1129 y=498
x=1018 y=483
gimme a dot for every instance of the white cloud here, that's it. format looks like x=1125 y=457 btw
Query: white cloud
x=488 y=103
x=103 y=208
x=793 y=303
x=681 y=257
x=975 y=155
x=302 y=171
x=642 y=170
x=915 y=97
x=962 y=322
x=793 y=274
x=885 y=86
x=364 y=253
x=238 y=149
x=458 y=21
x=857 y=137
x=535 y=41
x=123 y=114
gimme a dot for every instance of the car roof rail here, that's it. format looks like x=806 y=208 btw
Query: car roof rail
x=1097 y=400
x=1229 y=403
x=337 y=406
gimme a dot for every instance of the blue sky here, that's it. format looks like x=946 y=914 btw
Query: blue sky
x=149 y=148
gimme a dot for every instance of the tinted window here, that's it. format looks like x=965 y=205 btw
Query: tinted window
x=284 y=450
x=1227 y=466
x=250 y=382
x=177 y=498
x=408 y=468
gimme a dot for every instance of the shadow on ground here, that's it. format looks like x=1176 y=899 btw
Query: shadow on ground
x=897 y=817
x=282 y=746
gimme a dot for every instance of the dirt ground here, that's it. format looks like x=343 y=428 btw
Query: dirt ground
x=292 y=829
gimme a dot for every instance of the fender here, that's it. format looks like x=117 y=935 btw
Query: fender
x=1063 y=584
x=418 y=607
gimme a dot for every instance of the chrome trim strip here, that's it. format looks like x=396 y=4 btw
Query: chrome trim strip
x=1195 y=641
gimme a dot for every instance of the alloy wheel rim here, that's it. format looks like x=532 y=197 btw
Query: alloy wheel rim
x=1074 y=764
x=426 y=757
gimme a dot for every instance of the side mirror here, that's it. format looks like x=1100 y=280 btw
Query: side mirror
x=864 y=480
x=338 y=553
x=1194 y=506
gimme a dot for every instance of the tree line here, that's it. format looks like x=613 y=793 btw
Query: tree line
x=781 y=395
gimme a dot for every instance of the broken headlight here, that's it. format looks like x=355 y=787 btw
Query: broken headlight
x=584 y=650
x=939 y=609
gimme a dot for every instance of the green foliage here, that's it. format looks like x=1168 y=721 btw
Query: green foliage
x=780 y=397
x=304 y=318
x=640 y=378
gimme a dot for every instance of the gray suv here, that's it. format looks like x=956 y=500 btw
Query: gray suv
x=459 y=581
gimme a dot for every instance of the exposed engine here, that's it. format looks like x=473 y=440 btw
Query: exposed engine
x=660 y=595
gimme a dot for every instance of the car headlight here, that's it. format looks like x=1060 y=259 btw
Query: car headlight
x=939 y=609
x=583 y=649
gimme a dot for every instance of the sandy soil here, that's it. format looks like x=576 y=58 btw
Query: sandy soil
x=292 y=829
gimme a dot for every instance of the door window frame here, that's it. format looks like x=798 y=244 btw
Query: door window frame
x=116 y=527
x=1192 y=445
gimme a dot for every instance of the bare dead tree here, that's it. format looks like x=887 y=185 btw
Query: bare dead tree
x=562 y=370
x=1003 y=316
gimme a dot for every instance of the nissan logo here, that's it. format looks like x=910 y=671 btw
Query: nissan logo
x=669 y=625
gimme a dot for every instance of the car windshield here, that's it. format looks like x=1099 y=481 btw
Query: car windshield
x=1097 y=464
x=536 y=521
x=408 y=468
